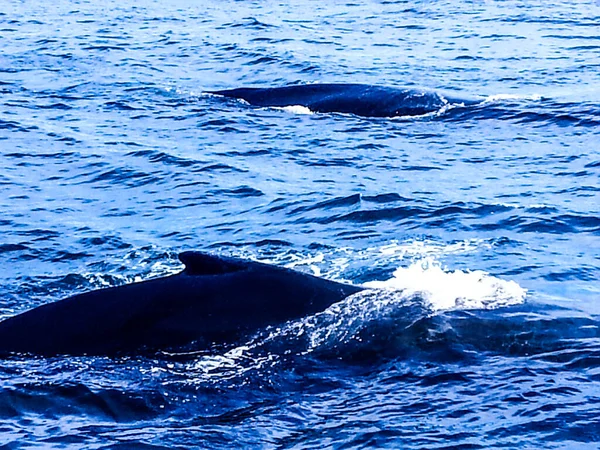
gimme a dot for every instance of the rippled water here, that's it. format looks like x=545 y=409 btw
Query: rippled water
x=481 y=223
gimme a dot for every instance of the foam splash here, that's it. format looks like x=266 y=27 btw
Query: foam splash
x=234 y=364
x=427 y=248
x=500 y=97
x=311 y=262
x=449 y=290
x=296 y=109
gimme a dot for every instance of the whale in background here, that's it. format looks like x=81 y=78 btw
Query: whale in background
x=358 y=99
x=214 y=300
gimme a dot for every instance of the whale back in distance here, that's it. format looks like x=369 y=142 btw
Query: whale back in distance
x=359 y=99
x=213 y=300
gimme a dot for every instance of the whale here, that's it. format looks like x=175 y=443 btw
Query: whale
x=358 y=99
x=214 y=300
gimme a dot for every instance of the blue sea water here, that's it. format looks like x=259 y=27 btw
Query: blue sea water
x=481 y=223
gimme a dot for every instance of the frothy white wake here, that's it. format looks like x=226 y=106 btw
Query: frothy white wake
x=447 y=290
x=501 y=97
x=296 y=109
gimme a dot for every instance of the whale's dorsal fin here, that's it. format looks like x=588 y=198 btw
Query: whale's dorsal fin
x=199 y=263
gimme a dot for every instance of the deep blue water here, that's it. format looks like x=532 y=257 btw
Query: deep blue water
x=482 y=222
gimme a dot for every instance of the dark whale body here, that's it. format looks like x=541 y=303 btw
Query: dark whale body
x=213 y=300
x=359 y=99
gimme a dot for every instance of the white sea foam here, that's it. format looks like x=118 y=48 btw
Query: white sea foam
x=296 y=109
x=336 y=263
x=423 y=248
x=500 y=97
x=446 y=290
x=233 y=364
x=310 y=261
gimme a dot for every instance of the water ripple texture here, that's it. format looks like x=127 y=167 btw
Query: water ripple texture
x=474 y=219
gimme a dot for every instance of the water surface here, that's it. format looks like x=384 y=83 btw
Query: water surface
x=482 y=222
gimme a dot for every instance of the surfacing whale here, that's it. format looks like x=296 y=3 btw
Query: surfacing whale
x=214 y=300
x=358 y=99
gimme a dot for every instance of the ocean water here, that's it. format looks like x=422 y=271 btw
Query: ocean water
x=477 y=227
